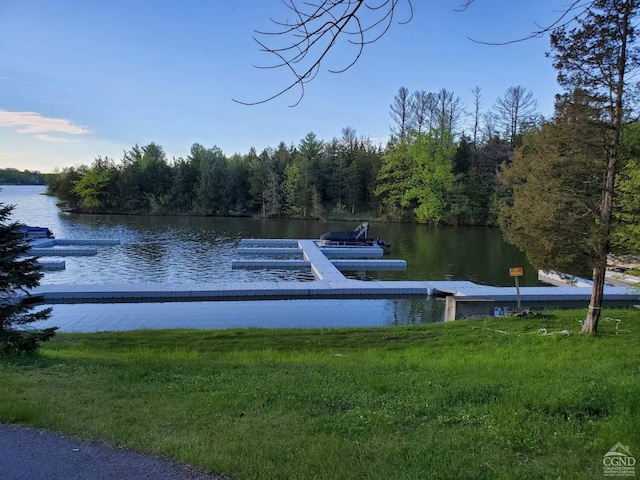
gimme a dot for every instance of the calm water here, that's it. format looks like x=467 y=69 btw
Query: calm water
x=181 y=249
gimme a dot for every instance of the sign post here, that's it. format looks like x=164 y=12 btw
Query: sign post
x=516 y=272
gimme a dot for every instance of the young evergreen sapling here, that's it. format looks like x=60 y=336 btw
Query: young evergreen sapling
x=18 y=273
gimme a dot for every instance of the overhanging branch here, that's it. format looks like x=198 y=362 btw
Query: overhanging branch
x=315 y=30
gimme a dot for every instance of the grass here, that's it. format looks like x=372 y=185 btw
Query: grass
x=470 y=399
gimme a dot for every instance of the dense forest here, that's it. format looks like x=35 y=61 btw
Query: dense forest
x=430 y=171
x=13 y=176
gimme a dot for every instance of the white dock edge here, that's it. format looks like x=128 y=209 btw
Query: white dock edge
x=268 y=242
x=163 y=292
x=268 y=251
x=63 y=252
x=322 y=268
x=286 y=264
x=563 y=279
x=43 y=243
x=59 y=242
x=370 y=265
x=87 y=241
x=45 y=247
x=195 y=292
x=52 y=266
x=358 y=265
x=352 y=252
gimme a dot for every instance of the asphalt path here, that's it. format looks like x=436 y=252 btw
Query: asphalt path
x=31 y=454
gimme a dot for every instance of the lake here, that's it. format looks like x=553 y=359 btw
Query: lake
x=201 y=249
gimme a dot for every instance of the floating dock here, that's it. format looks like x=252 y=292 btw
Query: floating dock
x=51 y=266
x=46 y=247
x=168 y=292
x=330 y=282
x=342 y=265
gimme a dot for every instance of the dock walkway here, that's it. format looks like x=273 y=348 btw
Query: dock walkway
x=329 y=283
x=167 y=292
x=46 y=247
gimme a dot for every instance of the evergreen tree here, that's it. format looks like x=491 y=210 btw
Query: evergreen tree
x=62 y=186
x=601 y=57
x=18 y=273
x=293 y=190
x=556 y=178
x=626 y=239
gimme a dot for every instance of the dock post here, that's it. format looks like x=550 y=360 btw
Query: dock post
x=457 y=308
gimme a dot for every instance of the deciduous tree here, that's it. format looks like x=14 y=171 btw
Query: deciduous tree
x=393 y=179
x=448 y=111
x=92 y=185
x=402 y=113
x=514 y=111
x=431 y=175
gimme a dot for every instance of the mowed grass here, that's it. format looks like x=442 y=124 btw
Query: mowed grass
x=493 y=398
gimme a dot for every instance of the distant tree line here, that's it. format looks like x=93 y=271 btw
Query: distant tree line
x=13 y=176
x=430 y=171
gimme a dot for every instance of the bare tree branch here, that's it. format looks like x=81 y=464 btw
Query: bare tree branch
x=575 y=10
x=316 y=28
x=303 y=43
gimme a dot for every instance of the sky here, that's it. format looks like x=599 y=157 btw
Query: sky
x=82 y=79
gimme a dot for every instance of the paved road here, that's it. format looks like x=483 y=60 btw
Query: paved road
x=31 y=454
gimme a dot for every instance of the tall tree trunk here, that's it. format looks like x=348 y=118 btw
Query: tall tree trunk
x=595 y=305
x=599 y=272
x=616 y=94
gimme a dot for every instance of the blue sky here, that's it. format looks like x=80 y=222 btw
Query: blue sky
x=81 y=79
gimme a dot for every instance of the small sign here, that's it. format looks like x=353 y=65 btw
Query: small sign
x=515 y=272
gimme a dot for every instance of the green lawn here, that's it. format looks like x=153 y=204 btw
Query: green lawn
x=470 y=399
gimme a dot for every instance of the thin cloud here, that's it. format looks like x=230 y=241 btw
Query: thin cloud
x=52 y=139
x=6 y=156
x=32 y=122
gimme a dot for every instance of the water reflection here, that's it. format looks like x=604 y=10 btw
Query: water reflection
x=196 y=249
x=87 y=317
x=416 y=310
x=201 y=249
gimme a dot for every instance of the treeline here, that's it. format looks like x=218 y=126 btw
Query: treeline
x=13 y=176
x=426 y=173
x=310 y=180
x=425 y=178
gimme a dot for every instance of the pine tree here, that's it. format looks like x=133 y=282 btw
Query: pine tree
x=18 y=272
